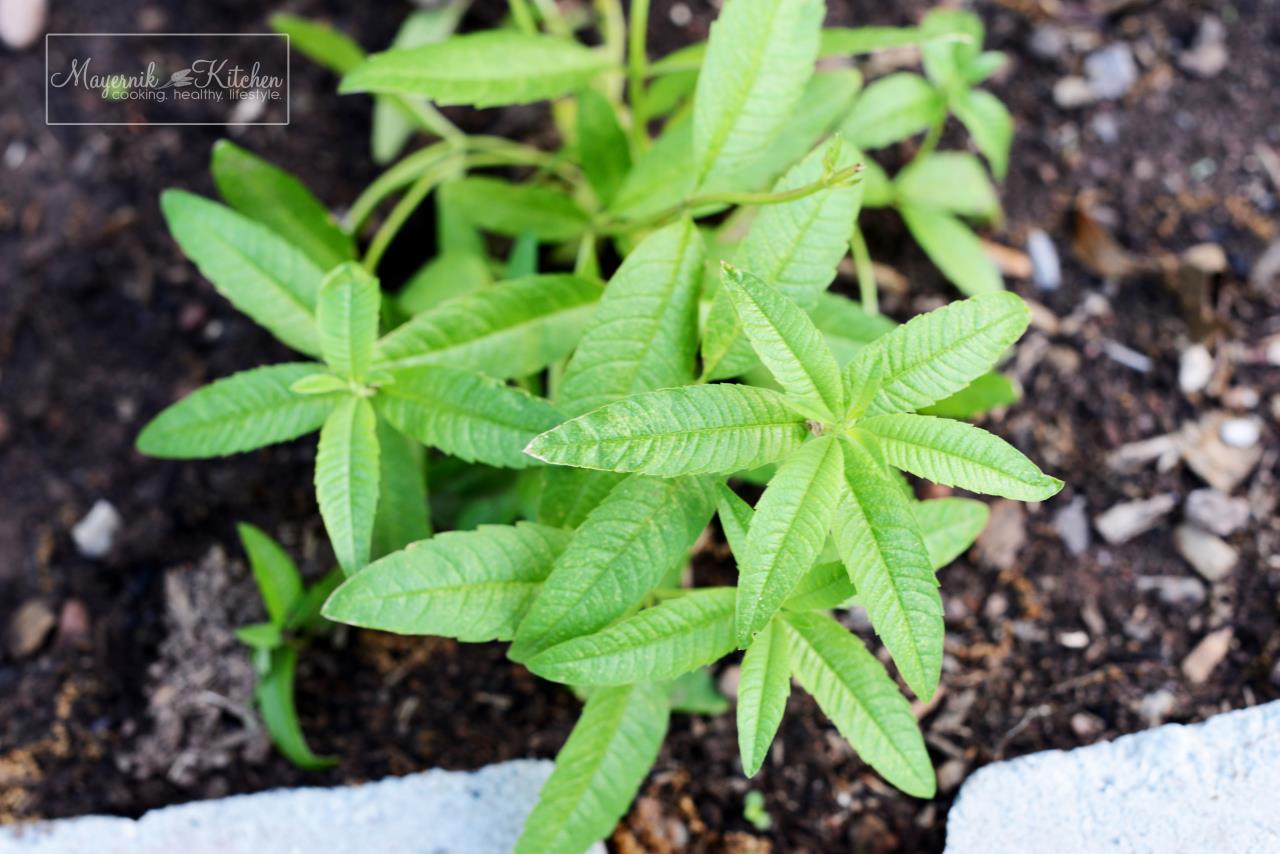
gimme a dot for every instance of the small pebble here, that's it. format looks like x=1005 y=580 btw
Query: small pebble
x=1210 y=556
x=1209 y=55
x=1174 y=590
x=1208 y=258
x=1085 y=725
x=1072 y=526
x=1105 y=128
x=1047 y=41
x=95 y=533
x=73 y=624
x=22 y=22
x=1157 y=706
x=1241 y=397
x=1074 y=639
x=1046 y=268
x=28 y=627
x=1111 y=71
x=1195 y=369
x=1072 y=92
x=1240 y=432
x=1216 y=511
x=1200 y=663
x=1127 y=520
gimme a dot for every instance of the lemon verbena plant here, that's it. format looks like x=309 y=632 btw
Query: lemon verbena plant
x=606 y=337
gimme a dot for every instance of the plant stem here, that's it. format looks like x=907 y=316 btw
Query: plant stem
x=930 y=140
x=637 y=69
x=408 y=203
x=523 y=17
x=693 y=203
x=428 y=117
x=866 y=272
x=402 y=174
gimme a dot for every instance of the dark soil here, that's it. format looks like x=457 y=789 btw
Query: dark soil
x=136 y=698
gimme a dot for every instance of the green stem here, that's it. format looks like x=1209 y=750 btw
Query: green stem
x=522 y=15
x=930 y=140
x=866 y=271
x=428 y=117
x=552 y=19
x=401 y=175
x=408 y=203
x=841 y=178
x=637 y=69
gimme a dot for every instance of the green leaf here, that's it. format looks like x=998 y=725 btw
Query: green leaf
x=347 y=475
x=935 y=355
x=260 y=636
x=644 y=333
x=787 y=532
x=603 y=150
x=569 y=494
x=846 y=327
x=277 y=576
x=763 y=687
x=863 y=378
x=275 y=198
x=516 y=209
x=856 y=693
x=657 y=644
x=989 y=123
x=893 y=108
x=695 y=693
x=347 y=317
x=261 y=273
x=824 y=587
x=484 y=69
x=393 y=125
x=598 y=771
x=785 y=339
x=403 y=516
x=619 y=552
x=950 y=526
x=450 y=274
x=793 y=247
x=880 y=544
x=511 y=329
x=825 y=100
x=735 y=518
x=661 y=177
x=471 y=585
x=955 y=41
x=238 y=413
x=274 y=694
x=320 y=43
x=712 y=429
x=306 y=614
x=465 y=414
x=759 y=57
x=954 y=248
x=951 y=181
x=955 y=453
x=325 y=383
x=980 y=396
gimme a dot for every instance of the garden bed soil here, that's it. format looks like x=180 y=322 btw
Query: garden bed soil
x=137 y=696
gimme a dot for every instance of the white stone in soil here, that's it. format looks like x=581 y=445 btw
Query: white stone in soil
x=1205 y=787
x=95 y=533
x=434 y=812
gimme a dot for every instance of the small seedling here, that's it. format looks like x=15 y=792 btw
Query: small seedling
x=293 y=616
